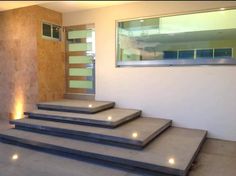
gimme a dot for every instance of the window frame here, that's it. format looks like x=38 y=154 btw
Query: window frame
x=51 y=26
x=171 y=62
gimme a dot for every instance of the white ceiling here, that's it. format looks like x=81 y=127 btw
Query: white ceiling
x=8 y=5
x=70 y=6
x=61 y=6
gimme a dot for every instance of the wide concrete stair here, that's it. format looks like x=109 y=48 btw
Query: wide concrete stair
x=96 y=131
x=68 y=105
x=110 y=118
x=123 y=136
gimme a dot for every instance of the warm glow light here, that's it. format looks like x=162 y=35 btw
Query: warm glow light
x=90 y=105
x=109 y=118
x=141 y=21
x=19 y=105
x=134 y=135
x=14 y=157
x=171 y=161
x=222 y=8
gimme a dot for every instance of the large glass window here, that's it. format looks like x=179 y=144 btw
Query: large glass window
x=197 y=38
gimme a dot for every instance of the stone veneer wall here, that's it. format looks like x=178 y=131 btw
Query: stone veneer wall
x=31 y=69
x=51 y=60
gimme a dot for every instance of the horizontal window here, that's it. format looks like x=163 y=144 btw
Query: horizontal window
x=225 y=52
x=51 y=31
x=186 y=54
x=198 y=38
x=170 y=55
x=204 y=53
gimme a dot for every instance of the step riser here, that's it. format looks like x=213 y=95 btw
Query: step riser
x=124 y=163
x=73 y=109
x=70 y=121
x=84 y=121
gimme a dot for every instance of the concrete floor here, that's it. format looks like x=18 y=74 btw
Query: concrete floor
x=217 y=158
x=4 y=124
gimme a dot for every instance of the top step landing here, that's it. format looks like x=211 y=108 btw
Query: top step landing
x=80 y=106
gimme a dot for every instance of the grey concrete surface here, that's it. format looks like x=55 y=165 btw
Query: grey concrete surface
x=110 y=118
x=220 y=147
x=172 y=152
x=76 y=105
x=216 y=158
x=137 y=132
x=4 y=124
x=34 y=163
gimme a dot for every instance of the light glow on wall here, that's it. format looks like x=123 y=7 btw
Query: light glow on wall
x=18 y=105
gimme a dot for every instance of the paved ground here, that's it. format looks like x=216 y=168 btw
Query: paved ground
x=4 y=124
x=217 y=158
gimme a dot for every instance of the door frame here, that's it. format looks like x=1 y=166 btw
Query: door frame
x=76 y=53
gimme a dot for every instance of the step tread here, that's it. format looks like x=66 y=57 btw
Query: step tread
x=146 y=129
x=178 y=144
x=87 y=106
x=111 y=117
x=41 y=164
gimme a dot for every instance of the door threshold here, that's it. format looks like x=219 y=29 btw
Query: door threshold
x=79 y=96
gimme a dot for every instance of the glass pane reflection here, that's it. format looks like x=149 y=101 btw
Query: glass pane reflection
x=208 y=35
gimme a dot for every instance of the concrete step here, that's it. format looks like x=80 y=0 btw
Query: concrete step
x=80 y=106
x=135 y=134
x=110 y=118
x=36 y=163
x=171 y=153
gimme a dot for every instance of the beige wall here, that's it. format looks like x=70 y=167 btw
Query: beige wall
x=196 y=97
x=31 y=69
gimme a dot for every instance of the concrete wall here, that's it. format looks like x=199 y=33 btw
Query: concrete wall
x=31 y=69
x=195 y=97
